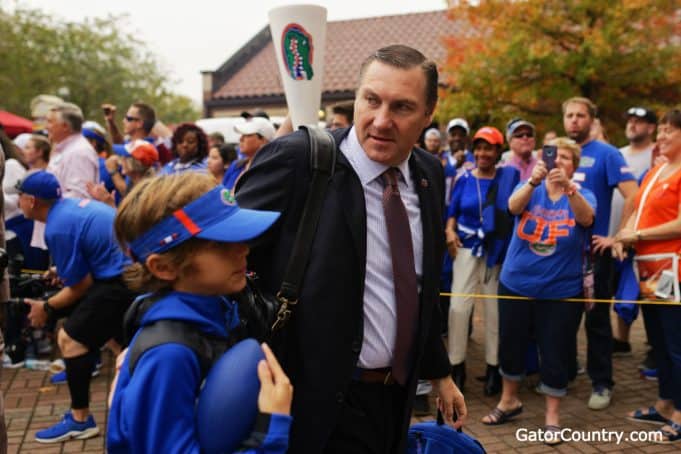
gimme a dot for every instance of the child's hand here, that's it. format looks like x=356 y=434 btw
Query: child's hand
x=276 y=391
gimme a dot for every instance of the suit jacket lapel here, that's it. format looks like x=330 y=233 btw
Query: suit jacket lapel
x=347 y=184
x=424 y=189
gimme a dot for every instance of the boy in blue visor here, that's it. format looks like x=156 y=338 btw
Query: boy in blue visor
x=187 y=238
x=79 y=235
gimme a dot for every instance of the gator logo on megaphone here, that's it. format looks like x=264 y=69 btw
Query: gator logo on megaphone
x=297 y=50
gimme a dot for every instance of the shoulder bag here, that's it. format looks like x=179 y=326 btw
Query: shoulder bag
x=262 y=313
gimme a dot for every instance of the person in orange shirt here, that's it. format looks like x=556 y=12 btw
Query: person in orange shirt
x=655 y=228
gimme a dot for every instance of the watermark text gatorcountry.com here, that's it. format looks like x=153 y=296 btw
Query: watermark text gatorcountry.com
x=589 y=436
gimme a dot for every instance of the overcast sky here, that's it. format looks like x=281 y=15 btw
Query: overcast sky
x=202 y=34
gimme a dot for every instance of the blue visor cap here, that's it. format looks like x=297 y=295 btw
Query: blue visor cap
x=214 y=216
x=120 y=150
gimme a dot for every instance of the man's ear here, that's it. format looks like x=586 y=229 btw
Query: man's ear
x=161 y=268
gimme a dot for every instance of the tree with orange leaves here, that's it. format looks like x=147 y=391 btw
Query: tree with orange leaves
x=524 y=57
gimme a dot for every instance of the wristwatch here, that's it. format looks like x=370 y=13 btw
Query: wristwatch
x=49 y=310
x=534 y=185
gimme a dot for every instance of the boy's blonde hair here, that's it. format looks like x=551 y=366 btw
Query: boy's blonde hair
x=150 y=201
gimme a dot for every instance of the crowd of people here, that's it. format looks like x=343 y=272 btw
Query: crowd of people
x=411 y=211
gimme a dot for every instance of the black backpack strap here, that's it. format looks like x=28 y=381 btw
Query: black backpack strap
x=322 y=163
x=132 y=320
x=206 y=348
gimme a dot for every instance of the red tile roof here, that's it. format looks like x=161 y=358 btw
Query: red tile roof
x=252 y=71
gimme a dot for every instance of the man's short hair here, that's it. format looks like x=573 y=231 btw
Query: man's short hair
x=590 y=106
x=347 y=109
x=70 y=114
x=147 y=114
x=405 y=57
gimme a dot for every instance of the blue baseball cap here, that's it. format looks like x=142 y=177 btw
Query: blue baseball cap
x=40 y=184
x=214 y=216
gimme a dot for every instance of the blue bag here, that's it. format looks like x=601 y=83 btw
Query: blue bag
x=434 y=437
x=628 y=289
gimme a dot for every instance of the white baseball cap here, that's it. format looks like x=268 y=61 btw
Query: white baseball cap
x=256 y=125
x=461 y=123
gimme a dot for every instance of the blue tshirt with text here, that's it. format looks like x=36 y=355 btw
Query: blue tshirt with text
x=545 y=257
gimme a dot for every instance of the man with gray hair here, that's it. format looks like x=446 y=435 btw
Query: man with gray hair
x=72 y=160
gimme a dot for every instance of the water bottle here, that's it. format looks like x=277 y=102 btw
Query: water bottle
x=37 y=364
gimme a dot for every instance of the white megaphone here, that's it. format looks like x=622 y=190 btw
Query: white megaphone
x=299 y=37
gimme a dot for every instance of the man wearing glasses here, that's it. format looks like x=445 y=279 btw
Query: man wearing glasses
x=521 y=139
x=137 y=123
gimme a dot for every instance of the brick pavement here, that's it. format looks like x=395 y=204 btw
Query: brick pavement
x=31 y=403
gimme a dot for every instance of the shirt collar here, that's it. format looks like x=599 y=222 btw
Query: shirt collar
x=66 y=142
x=366 y=169
x=519 y=161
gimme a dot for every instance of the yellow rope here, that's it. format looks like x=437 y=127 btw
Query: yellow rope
x=571 y=300
x=29 y=271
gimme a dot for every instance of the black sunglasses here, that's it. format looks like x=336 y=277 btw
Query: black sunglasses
x=129 y=118
x=521 y=135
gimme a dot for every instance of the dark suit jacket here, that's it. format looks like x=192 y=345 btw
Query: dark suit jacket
x=324 y=337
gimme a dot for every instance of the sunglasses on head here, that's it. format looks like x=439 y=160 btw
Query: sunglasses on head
x=637 y=111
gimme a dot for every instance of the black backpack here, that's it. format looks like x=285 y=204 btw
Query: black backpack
x=207 y=348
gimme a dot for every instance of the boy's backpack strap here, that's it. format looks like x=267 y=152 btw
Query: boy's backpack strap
x=132 y=320
x=206 y=348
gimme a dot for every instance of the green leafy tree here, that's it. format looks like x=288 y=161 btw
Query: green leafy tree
x=524 y=57
x=87 y=63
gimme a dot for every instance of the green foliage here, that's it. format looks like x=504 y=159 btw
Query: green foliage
x=524 y=57
x=86 y=63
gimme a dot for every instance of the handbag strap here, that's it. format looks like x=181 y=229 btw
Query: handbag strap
x=644 y=196
x=322 y=164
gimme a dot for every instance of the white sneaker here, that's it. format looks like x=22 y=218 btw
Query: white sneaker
x=8 y=364
x=600 y=399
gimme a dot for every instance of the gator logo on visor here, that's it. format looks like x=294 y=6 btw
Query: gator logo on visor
x=227 y=197
x=297 y=51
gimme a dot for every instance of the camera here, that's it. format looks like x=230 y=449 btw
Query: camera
x=19 y=334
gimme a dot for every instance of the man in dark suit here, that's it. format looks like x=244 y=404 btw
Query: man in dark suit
x=352 y=354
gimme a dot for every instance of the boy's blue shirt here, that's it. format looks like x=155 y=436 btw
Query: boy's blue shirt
x=154 y=410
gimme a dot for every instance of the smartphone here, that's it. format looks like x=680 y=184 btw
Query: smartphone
x=548 y=155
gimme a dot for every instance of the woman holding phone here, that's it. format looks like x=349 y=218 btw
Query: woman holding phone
x=545 y=264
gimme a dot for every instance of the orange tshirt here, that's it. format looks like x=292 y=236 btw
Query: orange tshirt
x=661 y=206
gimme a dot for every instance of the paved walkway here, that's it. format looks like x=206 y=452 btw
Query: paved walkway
x=32 y=404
